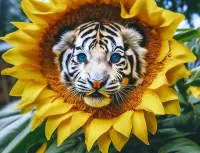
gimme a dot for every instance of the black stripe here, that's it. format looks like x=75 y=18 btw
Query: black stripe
x=89 y=24
x=122 y=63
x=132 y=81
x=111 y=32
x=79 y=48
x=114 y=87
x=87 y=32
x=67 y=79
x=120 y=47
x=76 y=74
x=110 y=38
x=131 y=61
x=92 y=43
x=60 y=60
x=85 y=41
x=67 y=61
x=82 y=86
x=82 y=82
x=137 y=63
x=113 y=26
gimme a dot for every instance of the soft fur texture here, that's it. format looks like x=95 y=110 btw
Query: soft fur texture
x=99 y=42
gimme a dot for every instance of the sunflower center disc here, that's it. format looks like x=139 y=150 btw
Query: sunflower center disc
x=103 y=13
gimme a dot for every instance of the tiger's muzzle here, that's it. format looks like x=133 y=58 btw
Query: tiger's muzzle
x=97 y=97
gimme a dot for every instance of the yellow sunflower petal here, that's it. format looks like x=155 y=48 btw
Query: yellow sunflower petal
x=29 y=28
x=20 y=73
x=14 y=57
x=63 y=131
x=46 y=93
x=41 y=102
x=164 y=50
x=42 y=6
x=27 y=108
x=57 y=107
x=77 y=120
x=153 y=15
x=195 y=91
x=104 y=142
x=165 y=90
x=123 y=124
x=26 y=6
x=42 y=148
x=31 y=91
x=96 y=128
x=151 y=103
x=47 y=109
x=179 y=54
x=140 y=126
x=172 y=107
x=37 y=120
x=118 y=139
x=170 y=24
x=41 y=12
x=19 y=87
x=134 y=11
x=176 y=73
x=54 y=121
x=151 y=122
x=159 y=81
x=19 y=38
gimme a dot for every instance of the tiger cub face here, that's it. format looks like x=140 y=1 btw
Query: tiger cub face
x=101 y=61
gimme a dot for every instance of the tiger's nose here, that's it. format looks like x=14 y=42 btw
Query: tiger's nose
x=96 y=84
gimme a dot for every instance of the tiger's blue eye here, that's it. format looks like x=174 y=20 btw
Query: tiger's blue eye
x=115 y=58
x=82 y=57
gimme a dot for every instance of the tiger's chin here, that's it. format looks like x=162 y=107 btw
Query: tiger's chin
x=97 y=99
x=97 y=102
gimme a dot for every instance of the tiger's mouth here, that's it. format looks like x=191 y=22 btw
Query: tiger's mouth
x=97 y=99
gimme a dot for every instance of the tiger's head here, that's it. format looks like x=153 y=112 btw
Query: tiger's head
x=101 y=61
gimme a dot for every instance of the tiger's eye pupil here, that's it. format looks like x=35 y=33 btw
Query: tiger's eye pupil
x=115 y=58
x=82 y=57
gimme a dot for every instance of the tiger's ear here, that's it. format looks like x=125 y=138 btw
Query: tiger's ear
x=135 y=38
x=65 y=42
x=135 y=32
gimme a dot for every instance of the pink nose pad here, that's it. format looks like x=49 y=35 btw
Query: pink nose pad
x=97 y=84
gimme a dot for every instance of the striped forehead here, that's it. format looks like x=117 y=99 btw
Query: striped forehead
x=107 y=35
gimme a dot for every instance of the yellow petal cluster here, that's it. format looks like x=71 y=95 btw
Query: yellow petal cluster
x=195 y=91
x=33 y=89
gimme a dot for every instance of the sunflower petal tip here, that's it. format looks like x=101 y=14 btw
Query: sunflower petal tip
x=2 y=38
x=32 y=128
x=59 y=143
x=3 y=72
x=15 y=108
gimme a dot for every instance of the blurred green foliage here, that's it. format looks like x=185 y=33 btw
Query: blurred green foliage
x=187 y=7
x=10 y=10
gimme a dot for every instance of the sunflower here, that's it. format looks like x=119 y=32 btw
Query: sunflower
x=194 y=90
x=39 y=86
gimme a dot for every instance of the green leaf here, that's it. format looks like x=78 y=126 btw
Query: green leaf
x=194 y=45
x=194 y=79
x=187 y=35
x=15 y=135
x=193 y=100
x=197 y=110
x=73 y=144
x=12 y=124
x=181 y=145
